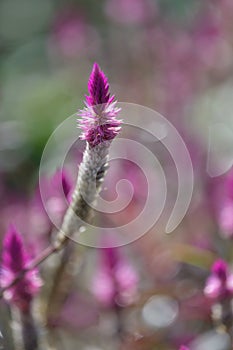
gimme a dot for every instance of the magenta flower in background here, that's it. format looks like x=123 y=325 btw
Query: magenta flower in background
x=219 y=284
x=225 y=206
x=14 y=260
x=57 y=192
x=72 y=35
x=62 y=177
x=225 y=219
x=183 y=347
x=116 y=280
x=229 y=185
x=30 y=215
x=99 y=121
x=130 y=11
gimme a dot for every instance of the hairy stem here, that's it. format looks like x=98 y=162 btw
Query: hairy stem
x=91 y=173
x=90 y=177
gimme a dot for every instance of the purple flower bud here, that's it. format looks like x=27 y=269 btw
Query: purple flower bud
x=98 y=88
x=14 y=260
x=116 y=280
x=99 y=121
x=220 y=270
x=219 y=284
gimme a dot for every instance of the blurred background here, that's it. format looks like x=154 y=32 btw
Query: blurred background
x=174 y=56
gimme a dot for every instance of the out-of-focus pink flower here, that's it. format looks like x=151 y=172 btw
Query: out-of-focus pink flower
x=77 y=312
x=14 y=260
x=99 y=121
x=229 y=185
x=115 y=281
x=225 y=6
x=226 y=219
x=62 y=177
x=183 y=347
x=224 y=207
x=56 y=193
x=219 y=284
x=72 y=35
x=34 y=215
x=130 y=11
x=207 y=38
x=177 y=78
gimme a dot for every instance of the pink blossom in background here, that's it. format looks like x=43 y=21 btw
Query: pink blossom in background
x=62 y=182
x=177 y=79
x=229 y=185
x=223 y=5
x=115 y=279
x=72 y=35
x=57 y=191
x=226 y=219
x=130 y=11
x=14 y=260
x=219 y=284
x=207 y=38
x=223 y=195
x=30 y=214
x=188 y=58
x=77 y=312
x=212 y=43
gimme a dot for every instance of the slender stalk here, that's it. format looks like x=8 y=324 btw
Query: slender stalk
x=120 y=331
x=29 y=331
x=6 y=334
x=90 y=177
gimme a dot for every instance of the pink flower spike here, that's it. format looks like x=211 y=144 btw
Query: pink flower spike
x=98 y=88
x=14 y=260
x=219 y=284
x=116 y=280
x=103 y=287
x=98 y=119
x=213 y=287
x=220 y=269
